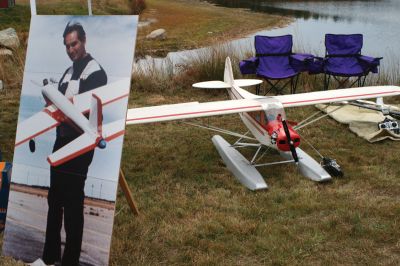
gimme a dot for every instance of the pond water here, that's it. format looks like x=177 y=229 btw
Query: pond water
x=377 y=20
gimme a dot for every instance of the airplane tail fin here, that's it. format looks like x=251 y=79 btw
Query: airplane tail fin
x=96 y=114
x=228 y=73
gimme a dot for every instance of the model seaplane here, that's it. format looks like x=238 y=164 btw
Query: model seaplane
x=60 y=109
x=265 y=118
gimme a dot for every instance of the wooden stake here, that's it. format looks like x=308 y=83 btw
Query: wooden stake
x=128 y=195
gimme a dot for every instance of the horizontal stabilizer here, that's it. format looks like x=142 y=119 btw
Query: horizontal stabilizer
x=216 y=84
x=78 y=146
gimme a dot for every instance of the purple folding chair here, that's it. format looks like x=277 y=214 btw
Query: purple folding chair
x=276 y=63
x=343 y=60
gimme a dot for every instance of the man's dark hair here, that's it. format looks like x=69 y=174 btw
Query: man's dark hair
x=76 y=26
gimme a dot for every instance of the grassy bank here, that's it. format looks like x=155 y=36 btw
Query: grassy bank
x=189 y=23
x=193 y=211
x=192 y=24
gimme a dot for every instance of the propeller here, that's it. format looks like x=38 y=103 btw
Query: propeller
x=290 y=141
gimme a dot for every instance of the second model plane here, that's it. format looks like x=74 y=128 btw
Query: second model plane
x=60 y=109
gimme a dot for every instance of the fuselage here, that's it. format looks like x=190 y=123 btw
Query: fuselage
x=67 y=112
x=266 y=125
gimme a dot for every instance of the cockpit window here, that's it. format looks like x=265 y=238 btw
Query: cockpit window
x=274 y=112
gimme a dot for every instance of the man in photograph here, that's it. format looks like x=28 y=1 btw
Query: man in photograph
x=67 y=181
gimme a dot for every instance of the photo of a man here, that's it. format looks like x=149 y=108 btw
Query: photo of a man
x=69 y=139
x=67 y=181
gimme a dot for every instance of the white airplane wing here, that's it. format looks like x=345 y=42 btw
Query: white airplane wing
x=195 y=109
x=78 y=146
x=108 y=94
x=114 y=129
x=34 y=126
x=311 y=98
x=190 y=110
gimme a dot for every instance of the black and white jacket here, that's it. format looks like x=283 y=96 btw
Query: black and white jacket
x=84 y=75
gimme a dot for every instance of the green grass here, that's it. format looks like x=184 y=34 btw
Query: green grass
x=193 y=211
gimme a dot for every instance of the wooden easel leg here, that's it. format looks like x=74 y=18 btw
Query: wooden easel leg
x=128 y=195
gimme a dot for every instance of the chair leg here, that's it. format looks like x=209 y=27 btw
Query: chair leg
x=327 y=78
x=258 y=87
x=363 y=81
x=279 y=89
x=341 y=83
x=293 y=84
x=274 y=87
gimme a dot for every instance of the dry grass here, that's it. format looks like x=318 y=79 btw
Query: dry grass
x=195 y=212
x=191 y=24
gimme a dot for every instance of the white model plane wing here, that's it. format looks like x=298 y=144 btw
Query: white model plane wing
x=195 y=109
x=190 y=110
x=34 y=126
x=317 y=97
x=108 y=94
x=47 y=119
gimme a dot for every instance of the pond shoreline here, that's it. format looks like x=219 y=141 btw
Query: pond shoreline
x=194 y=24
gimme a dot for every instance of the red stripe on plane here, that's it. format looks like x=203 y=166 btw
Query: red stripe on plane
x=116 y=99
x=342 y=97
x=116 y=135
x=192 y=113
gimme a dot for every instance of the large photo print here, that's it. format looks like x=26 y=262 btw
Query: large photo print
x=69 y=139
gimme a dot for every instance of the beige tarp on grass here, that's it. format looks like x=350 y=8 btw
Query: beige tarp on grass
x=361 y=121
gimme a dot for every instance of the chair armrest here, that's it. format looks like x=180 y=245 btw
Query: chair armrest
x=249 y=66
x=301 y=62
x=316 y=66
x=369 y=59
x=369 y=63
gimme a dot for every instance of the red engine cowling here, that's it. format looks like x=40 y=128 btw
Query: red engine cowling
x=276 y=131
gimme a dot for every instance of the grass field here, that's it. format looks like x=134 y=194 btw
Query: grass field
x=193 y=211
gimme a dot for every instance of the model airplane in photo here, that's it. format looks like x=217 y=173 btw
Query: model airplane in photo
x=265 y=118
x=60 y=109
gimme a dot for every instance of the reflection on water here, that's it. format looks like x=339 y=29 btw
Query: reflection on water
x=377 y=20
x=336 y=10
